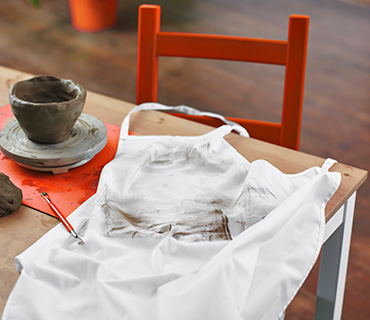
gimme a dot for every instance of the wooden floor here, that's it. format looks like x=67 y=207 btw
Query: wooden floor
x=336 y=119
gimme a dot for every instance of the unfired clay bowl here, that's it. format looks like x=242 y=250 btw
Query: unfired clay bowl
x=47 y=107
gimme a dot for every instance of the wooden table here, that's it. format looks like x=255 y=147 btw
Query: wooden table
x=23 y=227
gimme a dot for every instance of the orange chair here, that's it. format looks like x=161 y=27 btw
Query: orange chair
x=153 y=43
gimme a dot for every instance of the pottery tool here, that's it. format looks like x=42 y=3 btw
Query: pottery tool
x=62 y=218
x=88 y=138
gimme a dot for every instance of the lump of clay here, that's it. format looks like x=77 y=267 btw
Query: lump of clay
x=10 y=196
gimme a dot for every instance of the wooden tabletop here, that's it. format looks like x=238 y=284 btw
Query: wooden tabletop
x=23 y=227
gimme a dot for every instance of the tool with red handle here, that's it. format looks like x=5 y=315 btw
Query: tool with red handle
x=62 y=218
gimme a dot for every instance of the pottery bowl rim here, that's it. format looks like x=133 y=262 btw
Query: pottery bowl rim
x=78 y=91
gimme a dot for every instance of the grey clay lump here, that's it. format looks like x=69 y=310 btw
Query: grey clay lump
x=10 y=196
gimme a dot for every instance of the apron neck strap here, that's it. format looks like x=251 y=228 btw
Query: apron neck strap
x=183 y=109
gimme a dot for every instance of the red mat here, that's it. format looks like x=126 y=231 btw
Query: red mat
x=67 y=190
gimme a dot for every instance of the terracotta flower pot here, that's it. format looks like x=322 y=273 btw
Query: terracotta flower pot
x=93 y=15
x=47 y=108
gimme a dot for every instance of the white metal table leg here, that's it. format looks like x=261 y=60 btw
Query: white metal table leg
x=334 y=261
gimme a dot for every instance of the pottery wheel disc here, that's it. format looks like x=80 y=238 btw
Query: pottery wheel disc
x=88 y=137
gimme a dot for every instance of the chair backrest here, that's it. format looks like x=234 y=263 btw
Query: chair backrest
x=291 y=53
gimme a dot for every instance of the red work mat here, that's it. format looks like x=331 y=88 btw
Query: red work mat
x=67 y=190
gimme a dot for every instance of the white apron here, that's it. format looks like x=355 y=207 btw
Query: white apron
x=180 y=228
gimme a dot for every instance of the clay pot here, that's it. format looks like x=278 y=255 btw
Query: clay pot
x=93 y=15
x=47 y=107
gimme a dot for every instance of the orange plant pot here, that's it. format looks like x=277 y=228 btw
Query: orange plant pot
x=93 y=15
